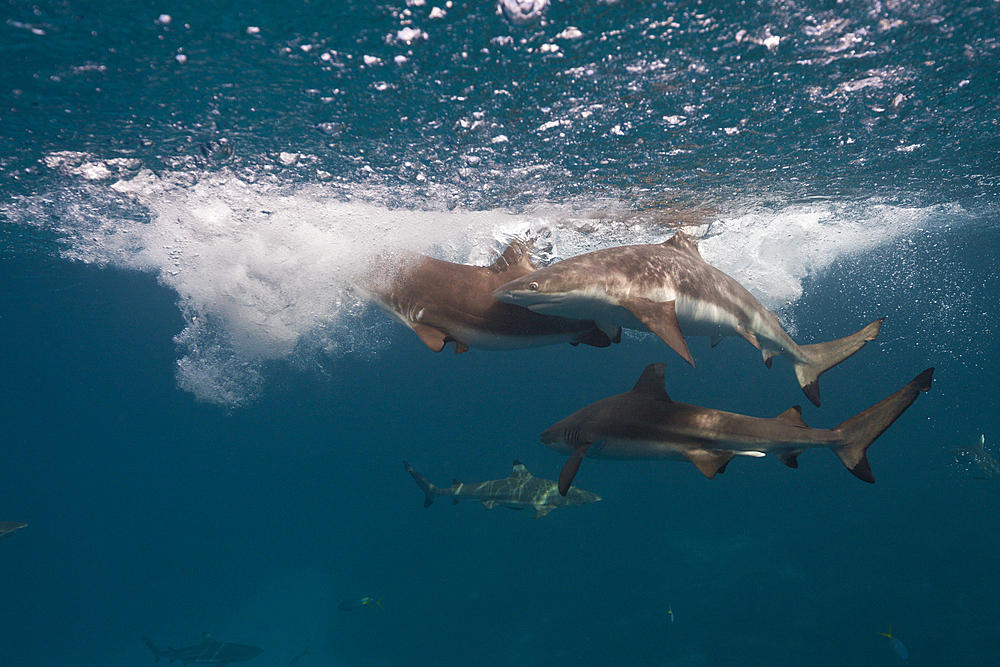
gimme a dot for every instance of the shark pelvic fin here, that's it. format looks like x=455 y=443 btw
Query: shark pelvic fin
x=710 y=462
x=661 y=318
x=789 y=458
x=542 y=510
x=570 y=468
x=651 y=383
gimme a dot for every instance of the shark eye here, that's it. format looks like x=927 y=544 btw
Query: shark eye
x=532 y=287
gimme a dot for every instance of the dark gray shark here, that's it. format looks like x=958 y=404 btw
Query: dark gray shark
x=453 y=303
x=646 y=424
x=208 y=652
x=520 y=491
x=670 y=290
x=8 y=527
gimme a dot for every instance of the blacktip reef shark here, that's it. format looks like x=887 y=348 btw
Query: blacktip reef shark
x=521 y=490
x=667 y=288
x=645 y=424
x=208 y=652
x=9 y=527
x=443 y=303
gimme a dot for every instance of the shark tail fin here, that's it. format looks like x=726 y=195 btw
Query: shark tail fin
x=422 y=482
x=821 y=357
x=157 y=653
x=861 y=430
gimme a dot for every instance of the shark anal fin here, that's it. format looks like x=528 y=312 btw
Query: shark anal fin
x=571 y=467
x=661 y=319
x=710 y=462
x=432 y=337
x=789 y=458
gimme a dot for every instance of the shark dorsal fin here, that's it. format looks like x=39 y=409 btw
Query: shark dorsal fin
x=651 y=383
x=793 y=415
x=683 y=242
x=517 y=255
x=519 y=470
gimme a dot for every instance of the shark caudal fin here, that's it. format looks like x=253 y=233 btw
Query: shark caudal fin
x=821 y=357
x=157 y=653
x=861 y=430
x=424 y=485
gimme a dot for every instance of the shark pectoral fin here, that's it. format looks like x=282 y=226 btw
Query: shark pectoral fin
x=661 y=318
x=595 y=338
x=543 y=510
x=709 y=462
x=433 y=337
x=570 y=468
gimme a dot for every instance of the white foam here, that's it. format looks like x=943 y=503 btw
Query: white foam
x=262 y=270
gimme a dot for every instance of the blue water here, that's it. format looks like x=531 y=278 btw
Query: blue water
x=203 y=427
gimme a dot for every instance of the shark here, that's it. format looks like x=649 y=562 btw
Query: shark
x=520 y=491
x=443 y=302
x=646 y=424
x=670 y=290
x=8 y=527
x=989 y=467
x=208 y=652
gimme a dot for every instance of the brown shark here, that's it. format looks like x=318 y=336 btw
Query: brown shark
x=446 y=303
x=669 y=289
x=646 y=424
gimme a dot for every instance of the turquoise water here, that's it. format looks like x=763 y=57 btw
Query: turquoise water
x=203 y=426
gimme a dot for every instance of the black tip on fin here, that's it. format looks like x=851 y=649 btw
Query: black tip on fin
x=811 y=391
x=863 y=471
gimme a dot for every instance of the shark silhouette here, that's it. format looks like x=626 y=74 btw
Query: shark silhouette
x=447 y=303
x=669 y=289
x=208 y=652
x=646 y=424
x=8 y=527
x=520 y=491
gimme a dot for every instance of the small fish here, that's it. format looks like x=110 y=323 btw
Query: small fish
x=897 y=646
x=351 y=605
x=671 y=612
x=295 y=660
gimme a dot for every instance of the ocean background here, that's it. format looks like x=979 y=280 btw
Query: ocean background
x=203 y=426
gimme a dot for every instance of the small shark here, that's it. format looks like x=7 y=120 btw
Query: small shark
x=8 y=527
x=982 y=459
x=646 y=424
x=208 y=652
x=453 y=303
x=519 y=491
x=670 y=290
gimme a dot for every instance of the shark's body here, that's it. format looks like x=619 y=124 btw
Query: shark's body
x=669 y=289
x=443 y=303
x=987 y=464
x=520 y=491
x=208 y=652
x=646 y=424
x=8 y=527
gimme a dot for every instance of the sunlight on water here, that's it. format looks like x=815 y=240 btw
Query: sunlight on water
x=262 y=270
